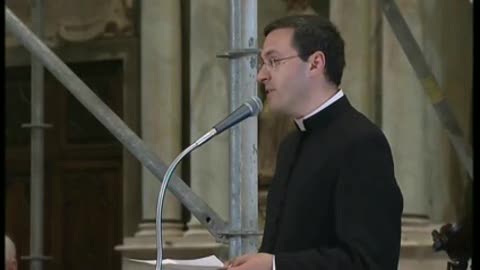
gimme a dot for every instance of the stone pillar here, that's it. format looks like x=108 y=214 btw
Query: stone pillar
x=161 y=102
x=448 y=48
x=209 y=97
x=161 y=118
x=426 y=167
x=406 y=114
x=358 y=23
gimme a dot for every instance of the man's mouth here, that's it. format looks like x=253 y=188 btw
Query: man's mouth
x=268 y=91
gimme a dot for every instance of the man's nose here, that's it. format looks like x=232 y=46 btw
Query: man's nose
x=263 y=75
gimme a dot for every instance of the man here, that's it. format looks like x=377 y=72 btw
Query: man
x=334 y=202
x=10 y=254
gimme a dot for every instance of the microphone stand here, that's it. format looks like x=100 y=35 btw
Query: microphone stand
x=250 y=108
x=163 y=189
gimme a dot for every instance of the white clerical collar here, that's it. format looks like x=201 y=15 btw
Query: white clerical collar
x=330 y=101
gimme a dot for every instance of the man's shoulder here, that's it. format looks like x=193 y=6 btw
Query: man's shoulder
x=358 y=120
x=354 y=127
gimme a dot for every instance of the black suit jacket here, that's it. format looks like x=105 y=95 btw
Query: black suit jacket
x=334 y=202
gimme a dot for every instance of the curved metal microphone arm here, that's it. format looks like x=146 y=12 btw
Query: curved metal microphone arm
x=250 y=108
x=168 y=175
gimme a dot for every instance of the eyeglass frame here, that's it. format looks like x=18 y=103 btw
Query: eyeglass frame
x=272 y=63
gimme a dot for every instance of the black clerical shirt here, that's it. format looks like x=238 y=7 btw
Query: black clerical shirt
x=334 y=202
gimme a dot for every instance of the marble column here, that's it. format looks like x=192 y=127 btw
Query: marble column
x=358 y=23
x=209 y=97
x=161 y=102
x=160 y=118
x=406 y=114
x=426 y=166
x=448 y=48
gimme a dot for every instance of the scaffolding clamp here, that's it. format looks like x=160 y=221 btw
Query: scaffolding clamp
x=228 y=234
x=36 y=125
x=237 y=53
x=36 y=258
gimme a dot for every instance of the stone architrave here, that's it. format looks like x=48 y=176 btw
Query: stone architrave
x=76 y=21
x=88 y=19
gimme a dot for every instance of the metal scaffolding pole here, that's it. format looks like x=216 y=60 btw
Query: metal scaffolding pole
x=243 y=138
x=37 y=161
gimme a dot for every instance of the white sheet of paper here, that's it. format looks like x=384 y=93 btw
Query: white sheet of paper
x=205 y=263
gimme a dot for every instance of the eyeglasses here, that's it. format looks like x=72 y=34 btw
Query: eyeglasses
x=272 y=63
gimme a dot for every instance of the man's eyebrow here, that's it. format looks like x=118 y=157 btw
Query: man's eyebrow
x=269 y=52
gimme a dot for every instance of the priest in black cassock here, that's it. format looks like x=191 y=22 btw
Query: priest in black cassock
x=333 y=202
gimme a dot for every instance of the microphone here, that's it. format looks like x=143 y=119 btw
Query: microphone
x=251 y=107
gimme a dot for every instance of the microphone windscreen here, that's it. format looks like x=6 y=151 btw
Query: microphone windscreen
x=255 y=104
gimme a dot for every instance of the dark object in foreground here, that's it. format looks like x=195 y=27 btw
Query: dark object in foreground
x=456 y=240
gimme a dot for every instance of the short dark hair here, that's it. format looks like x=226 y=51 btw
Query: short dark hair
x=315 y=33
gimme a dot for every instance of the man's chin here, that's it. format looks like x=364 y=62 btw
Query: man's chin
x=274 y=108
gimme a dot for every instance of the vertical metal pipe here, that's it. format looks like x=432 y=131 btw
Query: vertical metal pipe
x=235 y=247
x=37 y=146
x=243 y=138
x=248 y=148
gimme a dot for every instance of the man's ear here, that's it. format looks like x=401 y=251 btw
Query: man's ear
x=317 y=62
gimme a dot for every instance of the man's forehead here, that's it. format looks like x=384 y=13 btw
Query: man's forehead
x=275 y=49
x=268 y=51
x=277 y=41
